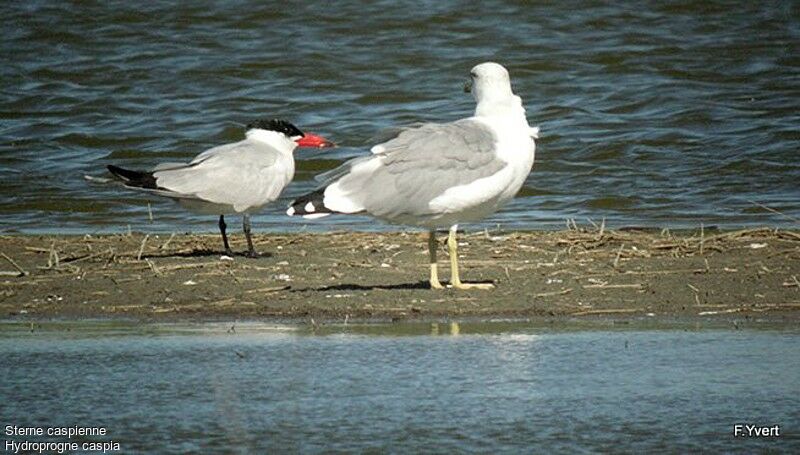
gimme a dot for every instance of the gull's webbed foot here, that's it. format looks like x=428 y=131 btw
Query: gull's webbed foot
x=467 y=286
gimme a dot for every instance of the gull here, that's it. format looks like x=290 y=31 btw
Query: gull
x=240 y=177
x=438 y=175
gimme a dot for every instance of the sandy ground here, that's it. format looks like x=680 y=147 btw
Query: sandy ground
x=368 y=276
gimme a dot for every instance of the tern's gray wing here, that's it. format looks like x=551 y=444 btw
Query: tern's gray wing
x=221 y=149
x=406 y=173
x=244 y=175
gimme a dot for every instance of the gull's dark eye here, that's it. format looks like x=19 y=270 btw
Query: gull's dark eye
x=473 y=74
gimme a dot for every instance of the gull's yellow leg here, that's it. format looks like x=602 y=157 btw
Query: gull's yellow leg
x=455 y=279
x=435 y=284
x=452 y=247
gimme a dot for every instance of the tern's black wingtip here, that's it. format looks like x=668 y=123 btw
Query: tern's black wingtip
x=133 y=178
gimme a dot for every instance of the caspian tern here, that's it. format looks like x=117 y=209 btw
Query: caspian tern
x=438 y=175
x=233 y=178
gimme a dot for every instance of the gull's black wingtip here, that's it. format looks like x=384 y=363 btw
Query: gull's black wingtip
x=309 y=205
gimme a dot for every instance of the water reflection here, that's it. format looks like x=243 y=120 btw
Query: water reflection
x=262 y=388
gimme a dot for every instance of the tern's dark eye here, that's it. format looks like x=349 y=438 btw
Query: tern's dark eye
x=473 y=74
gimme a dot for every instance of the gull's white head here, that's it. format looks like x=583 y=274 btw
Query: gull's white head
x=490 y=82
x=490 y=85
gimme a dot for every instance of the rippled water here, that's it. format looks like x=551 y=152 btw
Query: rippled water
x=500 y=388
x=652 y=113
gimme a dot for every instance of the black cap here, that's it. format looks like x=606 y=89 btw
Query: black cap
x=281 y=126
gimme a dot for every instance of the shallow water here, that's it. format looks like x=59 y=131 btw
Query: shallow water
x=488 y=388
x=658 y=113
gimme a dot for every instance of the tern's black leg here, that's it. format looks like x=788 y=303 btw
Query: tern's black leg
x=251 y=252
x=222 y=227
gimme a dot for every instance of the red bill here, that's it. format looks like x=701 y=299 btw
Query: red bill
x=314 y=141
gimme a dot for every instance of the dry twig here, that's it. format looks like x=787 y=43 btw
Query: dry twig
x=141 y=247
x=619 y=254
x=22 y=272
